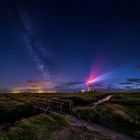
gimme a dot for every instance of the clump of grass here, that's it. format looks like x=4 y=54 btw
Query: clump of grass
x=49 y=127
x=13 y=110
x=38 y=127
x=81 y=100
x=112 y=116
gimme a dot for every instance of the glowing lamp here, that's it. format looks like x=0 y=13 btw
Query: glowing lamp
x=90 y=81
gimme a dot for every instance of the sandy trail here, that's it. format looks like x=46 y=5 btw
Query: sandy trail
x=73 y=120
x=96 y=127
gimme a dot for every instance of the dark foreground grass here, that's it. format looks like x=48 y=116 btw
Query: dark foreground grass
x=39 y=127
x=48 y=127
x=121 y=113
x=13 y=110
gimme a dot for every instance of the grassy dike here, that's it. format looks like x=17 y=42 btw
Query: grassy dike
x=12 y=110
x=121 y=114
x=48 y=127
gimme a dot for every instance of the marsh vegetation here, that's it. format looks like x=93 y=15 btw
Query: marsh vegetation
x=19 y=120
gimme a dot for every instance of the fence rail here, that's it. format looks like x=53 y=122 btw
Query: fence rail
x=53 y=105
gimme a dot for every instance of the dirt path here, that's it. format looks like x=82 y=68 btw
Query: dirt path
x=96 y=127
x=101 y=100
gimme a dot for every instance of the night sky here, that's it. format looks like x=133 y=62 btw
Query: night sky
x=65 y=42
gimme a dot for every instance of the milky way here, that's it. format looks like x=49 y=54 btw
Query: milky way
x=36 y=51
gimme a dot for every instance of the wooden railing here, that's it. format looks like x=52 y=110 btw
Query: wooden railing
x=57 y=105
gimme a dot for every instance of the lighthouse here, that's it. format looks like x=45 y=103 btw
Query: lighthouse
x=89 y=83
x=89 y=87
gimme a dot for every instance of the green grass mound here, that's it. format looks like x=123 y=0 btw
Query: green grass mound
x=113 y=116
x=49 y=127
x=40 y=127
x=13 y=110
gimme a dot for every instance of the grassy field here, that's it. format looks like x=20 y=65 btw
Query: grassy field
x=121 y=113
x=17 y=120
x=48 y=127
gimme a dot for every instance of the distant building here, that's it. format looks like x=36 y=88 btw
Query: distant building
x=83 y=90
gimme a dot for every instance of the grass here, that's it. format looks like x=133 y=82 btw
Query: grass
x=11 y=110
x=44 y=127
x=38 y=127
x=121 y=113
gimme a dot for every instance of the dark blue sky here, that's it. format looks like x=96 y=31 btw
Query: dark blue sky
x=77 y=36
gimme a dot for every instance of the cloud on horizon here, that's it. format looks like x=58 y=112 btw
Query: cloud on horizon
x=130 y=81
x=131 y=84
x=134 y=80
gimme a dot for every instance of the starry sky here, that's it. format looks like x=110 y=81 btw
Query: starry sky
x=65 y=43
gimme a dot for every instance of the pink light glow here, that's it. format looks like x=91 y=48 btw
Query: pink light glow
x=100 y=70
x=102 y=77
x=96 y=78
x=90 y=81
